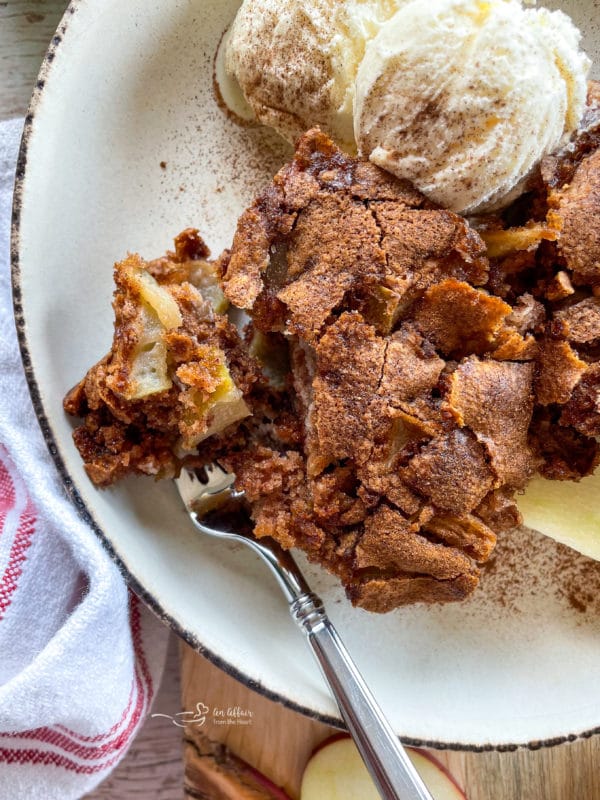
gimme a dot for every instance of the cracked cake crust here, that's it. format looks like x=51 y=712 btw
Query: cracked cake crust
x=416 y=369
x=410 y=418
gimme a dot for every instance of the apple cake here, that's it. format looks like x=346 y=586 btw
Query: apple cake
x=404 y=372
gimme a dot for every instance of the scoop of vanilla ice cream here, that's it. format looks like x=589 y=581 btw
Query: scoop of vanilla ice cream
x=296 y=60
x=464 y=97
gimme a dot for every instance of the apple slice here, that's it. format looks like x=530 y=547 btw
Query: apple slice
x=435 y=775
x=336 y=771
x=566 y=511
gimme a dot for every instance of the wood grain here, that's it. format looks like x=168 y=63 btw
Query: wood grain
x=152 y=768
x=279 y=743
x=26 y=27
x=566 y=772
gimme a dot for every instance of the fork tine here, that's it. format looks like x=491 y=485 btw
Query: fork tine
x=217 y=478
x=215 y=471
x=189 y=487
x=194 y=491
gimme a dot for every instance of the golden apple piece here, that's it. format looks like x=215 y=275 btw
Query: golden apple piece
x=336 y=771
x=383 y=309
x=212 y=413
x=204 y=278
x=145 y=353
x=226 y=405
x=502 y=242
x=273 y=355
x=566 y=511
x=158 y=298
x=148 y=373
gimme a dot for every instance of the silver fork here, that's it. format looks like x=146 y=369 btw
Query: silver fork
x=217 y=509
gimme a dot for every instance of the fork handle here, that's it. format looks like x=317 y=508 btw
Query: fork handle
x=380 y=748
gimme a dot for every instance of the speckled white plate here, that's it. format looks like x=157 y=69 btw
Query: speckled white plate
x=126 y=86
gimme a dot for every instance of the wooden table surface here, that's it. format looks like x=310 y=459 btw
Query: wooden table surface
x=279 y=741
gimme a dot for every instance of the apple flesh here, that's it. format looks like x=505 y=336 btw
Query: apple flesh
x=566 y=511
x=435 y=776
x=336 y=771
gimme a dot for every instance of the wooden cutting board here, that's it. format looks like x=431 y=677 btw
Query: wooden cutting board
x=278 y=742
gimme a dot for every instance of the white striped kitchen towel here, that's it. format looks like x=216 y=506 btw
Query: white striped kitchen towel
x=80 y=657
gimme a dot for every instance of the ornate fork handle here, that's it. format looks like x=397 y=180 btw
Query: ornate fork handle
x=380 y=748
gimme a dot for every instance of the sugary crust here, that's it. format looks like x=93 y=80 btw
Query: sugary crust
x=328 y=230
x=495 y=401
x=457 y=318
x=582 y=411
x=410 y=420
x=421 y=380
x=452 y=471
x=559 y=370
x=417 y=383
x=582 y=321
x=578 y=206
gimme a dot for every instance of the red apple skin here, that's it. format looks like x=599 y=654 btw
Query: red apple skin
x=267 y=784
x=336 y=737
x=442 y=767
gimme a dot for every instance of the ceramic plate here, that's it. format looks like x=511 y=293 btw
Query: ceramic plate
x=124 y=147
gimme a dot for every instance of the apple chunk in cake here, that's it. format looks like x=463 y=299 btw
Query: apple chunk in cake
x=175 y=374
